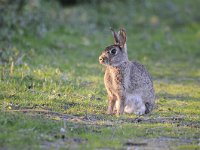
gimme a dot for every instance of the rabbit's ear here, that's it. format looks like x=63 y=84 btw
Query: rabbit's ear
x=115 y=35
x=122 y=38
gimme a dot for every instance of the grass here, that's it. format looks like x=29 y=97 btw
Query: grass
x=53 y=97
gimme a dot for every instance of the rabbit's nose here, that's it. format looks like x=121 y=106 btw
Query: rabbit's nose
x=101 y=58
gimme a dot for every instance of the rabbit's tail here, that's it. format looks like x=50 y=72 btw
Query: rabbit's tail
x=149 y=107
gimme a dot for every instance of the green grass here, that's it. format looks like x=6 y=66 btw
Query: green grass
x=55 y=97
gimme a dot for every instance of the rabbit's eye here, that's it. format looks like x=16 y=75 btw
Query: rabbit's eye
x=113 y=51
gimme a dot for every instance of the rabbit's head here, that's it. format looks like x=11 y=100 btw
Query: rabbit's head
x=115 y=54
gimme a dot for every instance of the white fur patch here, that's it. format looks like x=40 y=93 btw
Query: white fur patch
x=134 y=104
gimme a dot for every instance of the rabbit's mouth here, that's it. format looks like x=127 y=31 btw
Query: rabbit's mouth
x=104 y=60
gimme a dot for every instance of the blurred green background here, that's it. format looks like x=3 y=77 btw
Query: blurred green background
x=157 y=30
x=49 y=63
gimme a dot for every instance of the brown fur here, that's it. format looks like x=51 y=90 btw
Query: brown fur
x=128 y=83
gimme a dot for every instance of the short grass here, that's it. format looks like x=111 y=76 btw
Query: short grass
x=52 y=94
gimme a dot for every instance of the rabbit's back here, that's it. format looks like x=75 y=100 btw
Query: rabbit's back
x=140 y=82
x=139 y=75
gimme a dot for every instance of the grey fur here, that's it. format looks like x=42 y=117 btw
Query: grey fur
x=128 y=83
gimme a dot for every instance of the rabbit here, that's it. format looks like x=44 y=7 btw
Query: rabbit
x=128 y=83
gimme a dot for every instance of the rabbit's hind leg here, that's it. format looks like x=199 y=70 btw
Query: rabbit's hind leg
x=135 y=104
x=139 y=105
x=129 y=106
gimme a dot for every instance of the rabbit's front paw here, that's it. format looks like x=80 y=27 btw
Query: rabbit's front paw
x=119 y=114
x=110 y=113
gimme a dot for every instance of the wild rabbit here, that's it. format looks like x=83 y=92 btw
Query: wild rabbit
x=128 y=83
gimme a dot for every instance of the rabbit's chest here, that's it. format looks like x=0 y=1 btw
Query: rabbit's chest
x=116 y=80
